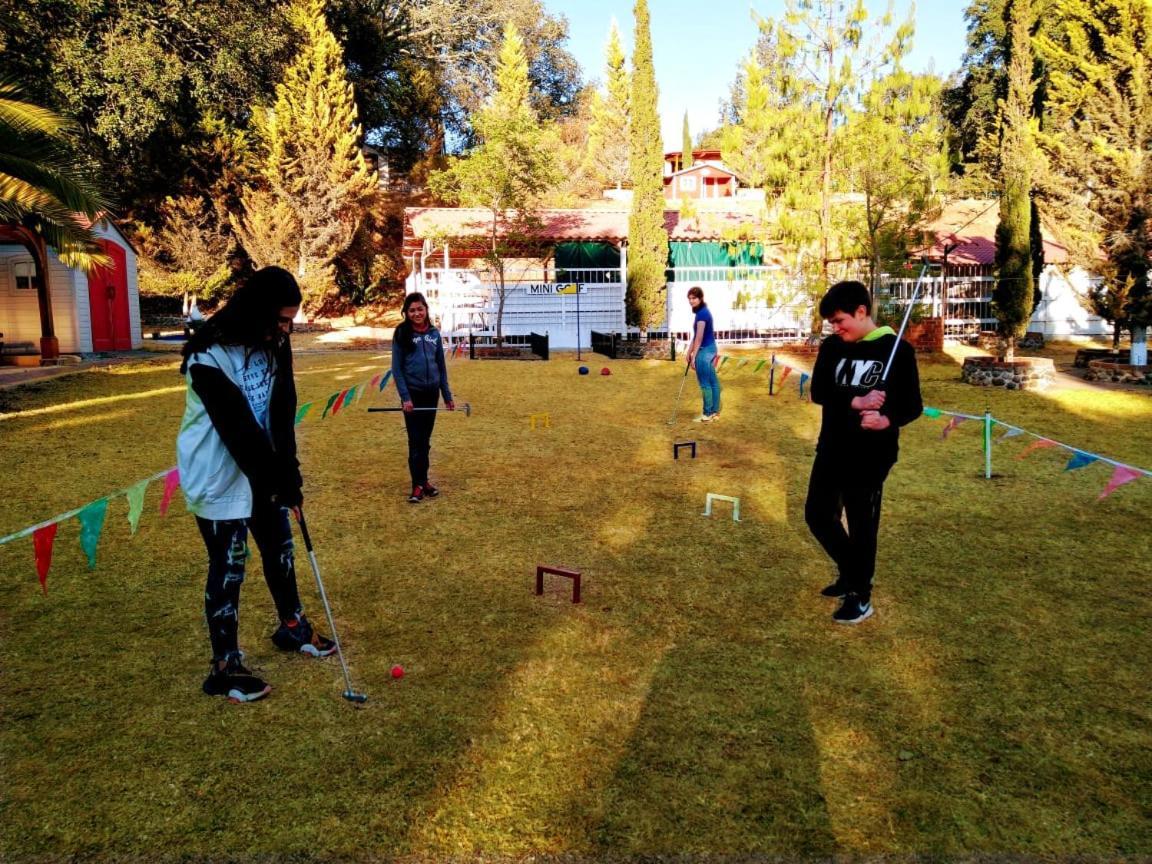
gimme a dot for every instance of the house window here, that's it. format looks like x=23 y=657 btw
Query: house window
x=688 y=184
x=24 y=275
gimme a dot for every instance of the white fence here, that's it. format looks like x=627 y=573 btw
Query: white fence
x=761 y=305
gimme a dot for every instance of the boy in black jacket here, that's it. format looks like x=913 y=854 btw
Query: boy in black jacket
x=859 y=439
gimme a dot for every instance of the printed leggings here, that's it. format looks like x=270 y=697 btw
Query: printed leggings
x=227 y=543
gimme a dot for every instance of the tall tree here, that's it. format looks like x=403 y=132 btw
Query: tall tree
x=1098 y=142
x=895 y=158
x=1012 y=297
x=606 y=156
x=687 y=160
x=508 y=170
x=647 y=236
x=44 y=187
x=316 y=184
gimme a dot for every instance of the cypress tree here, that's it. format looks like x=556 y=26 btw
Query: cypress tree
x=1012 y=297
x=317 y=183
x=687 y=161
x=606 y=155
x=647 y=237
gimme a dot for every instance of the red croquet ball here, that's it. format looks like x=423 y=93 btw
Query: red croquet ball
x=397 y=671
x=605 y=371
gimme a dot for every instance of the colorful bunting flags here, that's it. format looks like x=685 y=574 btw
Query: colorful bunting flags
x=1011 y=433
x=953 y=422
x=135 y=496
x=171 y=481
x=1123 y=474
x=932 y=413
x=303 y=412
x=331 y=401
x=42 y=540
x=91 y=525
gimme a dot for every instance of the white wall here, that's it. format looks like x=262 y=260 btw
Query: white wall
x=1060 y=312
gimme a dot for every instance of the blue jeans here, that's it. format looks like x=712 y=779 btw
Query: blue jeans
x=709 y=383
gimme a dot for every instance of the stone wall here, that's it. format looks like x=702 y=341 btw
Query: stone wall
x=1121 y=373
x=1028 y=373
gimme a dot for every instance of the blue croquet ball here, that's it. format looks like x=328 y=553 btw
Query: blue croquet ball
x=605 y=371
x=583 y=370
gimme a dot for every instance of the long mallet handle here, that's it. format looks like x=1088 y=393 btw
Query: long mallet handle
x=350 y=692
x=903 y=324
x=466 y=407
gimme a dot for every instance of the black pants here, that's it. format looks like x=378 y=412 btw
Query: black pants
x=836 y=491
x=419 y=425
x=227 y=542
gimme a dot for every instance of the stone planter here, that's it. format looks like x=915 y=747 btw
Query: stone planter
x=1121 y=373
x=505 y=352
x=1025 y=373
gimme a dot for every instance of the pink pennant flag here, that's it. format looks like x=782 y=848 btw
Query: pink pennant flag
x=171 y=481
x=1038 y=444
x=952 y=423
x=375 y=381
x=1123 y=474
x=42 y=539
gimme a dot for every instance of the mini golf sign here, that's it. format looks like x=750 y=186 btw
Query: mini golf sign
x=549 y=288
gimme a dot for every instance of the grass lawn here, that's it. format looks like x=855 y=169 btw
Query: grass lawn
x=699 y=701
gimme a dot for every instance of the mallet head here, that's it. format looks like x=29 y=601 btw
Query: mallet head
x=353 y=696
x=467 y=409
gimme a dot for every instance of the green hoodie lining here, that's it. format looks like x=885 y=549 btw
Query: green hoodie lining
x=878 y=332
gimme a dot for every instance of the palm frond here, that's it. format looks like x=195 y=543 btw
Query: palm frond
x=25 y=117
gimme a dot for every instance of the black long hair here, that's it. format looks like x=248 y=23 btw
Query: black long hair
x=250 y=316
x=404 y=328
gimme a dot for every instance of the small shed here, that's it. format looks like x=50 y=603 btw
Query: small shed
x=48 y=308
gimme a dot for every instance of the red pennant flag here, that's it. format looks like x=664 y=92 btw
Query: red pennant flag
x=339 y=401
x=1038 y=444
x=952 y=423
x=42 y=540
x=171 y=481
x=1123 y=474
x=375 y=381
x=784 y=374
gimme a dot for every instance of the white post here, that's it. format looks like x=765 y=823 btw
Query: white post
x=987 y=444
x=1139 y=347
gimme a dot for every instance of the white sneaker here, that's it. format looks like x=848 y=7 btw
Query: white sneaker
x=704 y=418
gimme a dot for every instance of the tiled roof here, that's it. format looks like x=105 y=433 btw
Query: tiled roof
x=611 y=226
x=969 y=225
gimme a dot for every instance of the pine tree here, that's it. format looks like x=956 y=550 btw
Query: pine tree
x=1098 y=140
x=316 y=182
x=687 y=159
x=1012 y=298
x=606 y=160
x=647 y=236
x=510 y=168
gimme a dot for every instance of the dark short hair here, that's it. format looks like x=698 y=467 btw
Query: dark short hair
x=697 y=292
x=847 y=297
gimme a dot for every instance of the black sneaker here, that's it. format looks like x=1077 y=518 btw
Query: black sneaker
x=236 y=682
x=297 y=634
x=417 y=495
x=836 y=589
x=429 y=490
x=853 y=610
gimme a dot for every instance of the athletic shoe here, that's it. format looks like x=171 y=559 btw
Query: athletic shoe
x=705 y=418
x=715 y=417
x=236 y=682
x=417 y=495
x=853 y=610
x=297 y=634
x=836 y=589
x=429 y=490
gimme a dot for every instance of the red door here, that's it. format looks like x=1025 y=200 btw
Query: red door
x=108 y=302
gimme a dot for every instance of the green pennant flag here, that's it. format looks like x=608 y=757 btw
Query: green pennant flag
x=303 y=412
x=136 y=503
x=353 y=393
x=331 y=401
x=931 y=412
x=759 y=366
x=91 y=525
x=723 y=359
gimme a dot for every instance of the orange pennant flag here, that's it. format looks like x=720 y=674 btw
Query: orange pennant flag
x=1038 y=444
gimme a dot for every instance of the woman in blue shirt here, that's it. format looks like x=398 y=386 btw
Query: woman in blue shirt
x=702 y=356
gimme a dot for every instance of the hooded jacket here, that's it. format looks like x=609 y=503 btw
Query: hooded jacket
x=418 y=363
